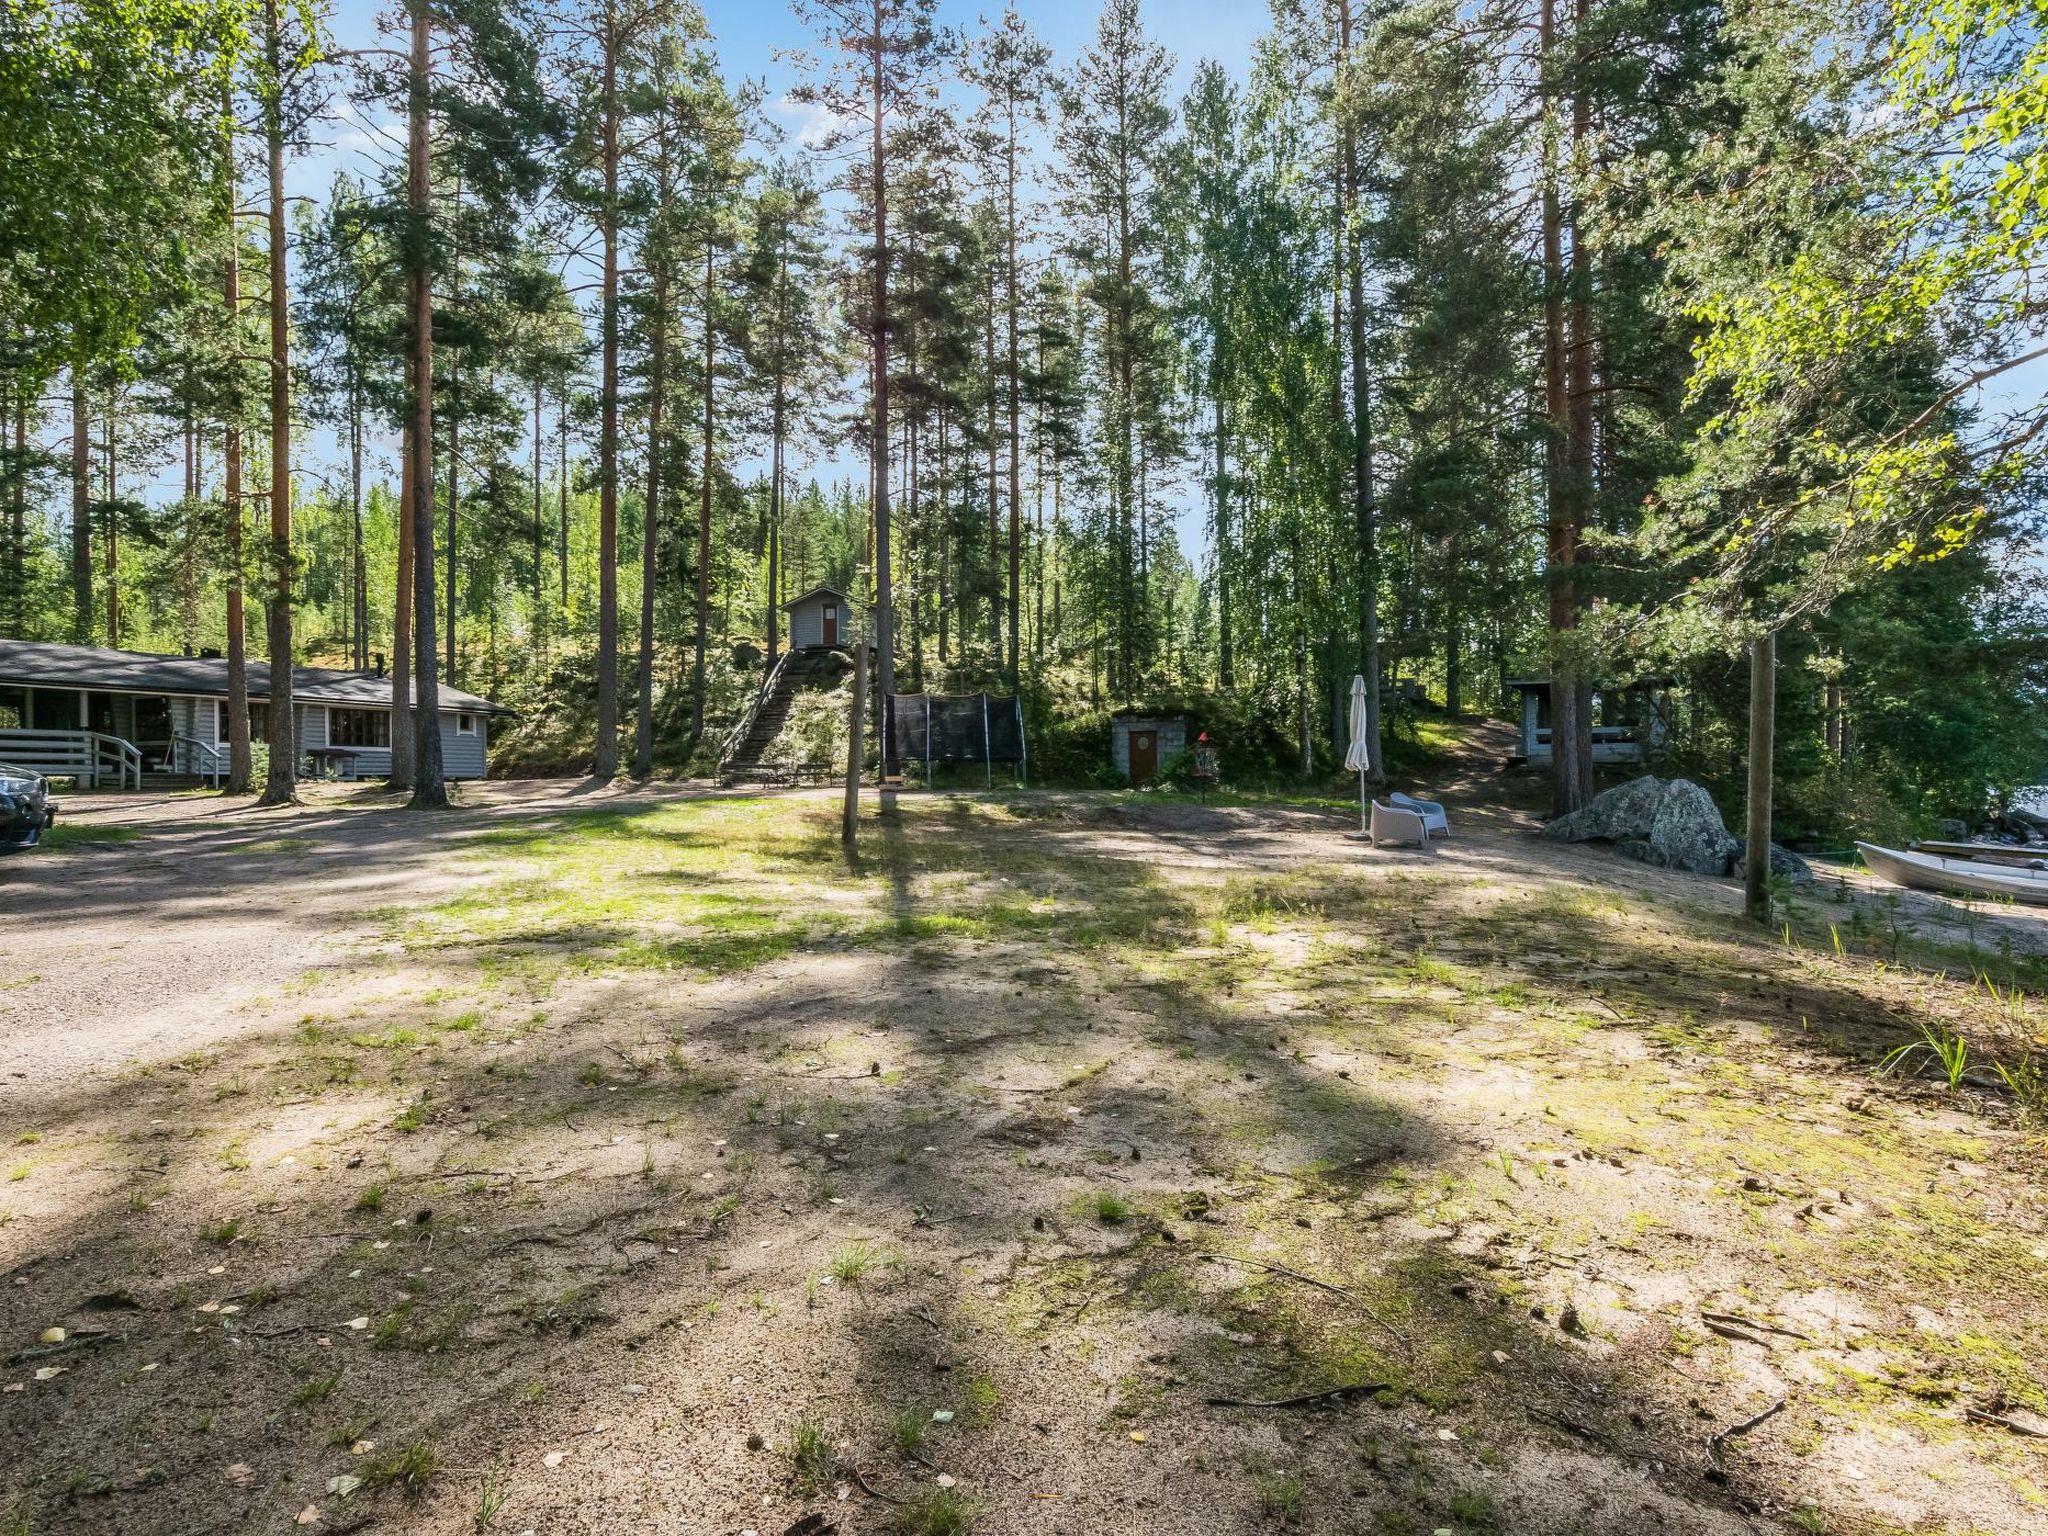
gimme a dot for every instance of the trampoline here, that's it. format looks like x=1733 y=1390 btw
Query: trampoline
x=957 y=728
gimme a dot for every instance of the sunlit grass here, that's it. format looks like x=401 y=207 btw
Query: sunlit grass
x=715 y=887
x=83 y=834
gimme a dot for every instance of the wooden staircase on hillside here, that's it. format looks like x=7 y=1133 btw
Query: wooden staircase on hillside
x=794 y=672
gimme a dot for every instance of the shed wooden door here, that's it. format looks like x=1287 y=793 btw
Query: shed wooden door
x=1144 y=756
x=831 y=624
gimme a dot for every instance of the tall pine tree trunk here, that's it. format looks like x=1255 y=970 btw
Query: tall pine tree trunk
x=1763 y=709
x=878 y=330
x=358 y=565
x=1016 y=430
x=241 y=767
x=774 y=522
x=650 y=521
x=702 y=639
x=1579 y=388
x=113 y=539
x=454 y=411
x=404 y=756
x=562 y=496
x=995 y=536
x=1570 y=695
x=540 y=538
x=17 y=518
x=1366 y=511
x=605 y=759
x=81 y=513
x=282 y=786
x=1226 y=661
x=429 y=786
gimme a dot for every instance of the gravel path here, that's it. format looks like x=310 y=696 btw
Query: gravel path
x=170 y=941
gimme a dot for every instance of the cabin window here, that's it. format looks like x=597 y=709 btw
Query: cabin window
x=465 y=724
x=358 y=728
x=259 y=722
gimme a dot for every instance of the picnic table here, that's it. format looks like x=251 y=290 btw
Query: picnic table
x=337 y=762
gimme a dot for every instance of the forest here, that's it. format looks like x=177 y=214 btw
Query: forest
x=1440 y=341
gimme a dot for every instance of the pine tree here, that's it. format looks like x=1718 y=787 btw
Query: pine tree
x=887 y=48
x=787 y=342
x=1114 y=122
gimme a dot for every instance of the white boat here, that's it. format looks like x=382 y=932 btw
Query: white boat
x=1937 y=872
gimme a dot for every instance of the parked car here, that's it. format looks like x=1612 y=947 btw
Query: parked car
x=26 y=809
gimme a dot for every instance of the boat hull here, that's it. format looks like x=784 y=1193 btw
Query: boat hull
x=1932 y=872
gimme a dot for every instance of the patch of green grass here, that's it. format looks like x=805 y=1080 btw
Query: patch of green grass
x=371 y=1198
x=409 y=1469
x=221 y=1233
x=315 y=1389
x=935 y=1512
x=1473 y=1510
x=490 y=1504
x=1282 y=1495
x=1112 y=1209
x=812 y=1454
x=75 y=834
x=859 y=1259
x=396 y=1038
x=908 y=1429
x=981 y=1404
x=277 y=845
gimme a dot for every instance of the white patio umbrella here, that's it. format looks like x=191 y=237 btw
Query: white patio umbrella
x=1358 y=757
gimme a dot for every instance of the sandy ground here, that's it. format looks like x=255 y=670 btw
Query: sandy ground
x=182 y=940
x=177 y=943
x=1030 y=1228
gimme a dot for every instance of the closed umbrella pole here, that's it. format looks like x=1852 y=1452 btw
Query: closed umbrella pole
x=1358 y=758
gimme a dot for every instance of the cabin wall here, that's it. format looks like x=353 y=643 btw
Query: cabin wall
x=462 y=756
x=806 y=625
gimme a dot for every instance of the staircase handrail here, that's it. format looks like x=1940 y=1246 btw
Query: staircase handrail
x=738 y=736
x=72 y=754
x=214 y=764
x=125 y=757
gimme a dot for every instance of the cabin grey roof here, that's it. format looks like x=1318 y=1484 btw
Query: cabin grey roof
x=815 y=592
x=39 y=664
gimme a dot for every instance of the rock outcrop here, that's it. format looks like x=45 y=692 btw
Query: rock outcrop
x=1785 y=864
x=1669 y=823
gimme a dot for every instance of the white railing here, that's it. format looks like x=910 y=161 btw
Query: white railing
x=191 y=755
x=86 y=756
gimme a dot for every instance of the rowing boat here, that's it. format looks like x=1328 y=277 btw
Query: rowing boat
x=1991 y=853
x=1936 y=872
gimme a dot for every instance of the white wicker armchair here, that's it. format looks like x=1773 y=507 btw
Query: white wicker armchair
x=1395 y=826
x=1434 y=821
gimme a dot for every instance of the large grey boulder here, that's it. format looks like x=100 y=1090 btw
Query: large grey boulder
x=1623 y=812
x=1688 y=831
x=1785 y=864
x=1671 y=824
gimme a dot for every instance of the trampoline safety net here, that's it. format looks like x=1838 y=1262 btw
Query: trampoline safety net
x=956 y=728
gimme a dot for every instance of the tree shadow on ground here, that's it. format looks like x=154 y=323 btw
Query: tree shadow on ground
x=1040 y=1150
